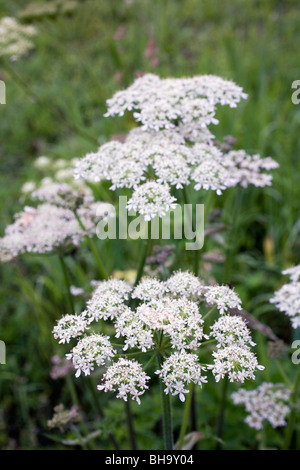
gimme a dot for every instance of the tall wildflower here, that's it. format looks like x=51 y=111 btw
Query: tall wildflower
x=167 y=320
x=59 y=224
x=173 y=147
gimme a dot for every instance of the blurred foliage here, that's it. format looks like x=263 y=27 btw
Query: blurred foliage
x=85 y=50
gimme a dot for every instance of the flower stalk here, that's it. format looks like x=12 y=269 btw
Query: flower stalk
x=185 y=417
x=292 y=419
x=166 y=413
x=67 y=282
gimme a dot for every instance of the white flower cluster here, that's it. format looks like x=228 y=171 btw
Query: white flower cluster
x=231 y=330
x=218 y=171
x=233 y=356
x=48 y=228
x=293 y=272
x=165 y=317
x=149 y=288
x=238 y=363
x=248 y=169
x=287 y=298
x=151 y=163
x=62 y=194
x=179 y=370
x=187 y=103
x=70 y=326
x=15 y=38
x=61 y=170
x=127 y=378
x=134 y=331
x=152 y=199
x=67 y=214
x=179 y=320
x=184 y=284
x=222 y=296
x=89 y=350
x=58 y=186
x=107 y=301
x=268 y=402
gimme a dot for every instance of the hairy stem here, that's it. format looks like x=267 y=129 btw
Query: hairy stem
x=67 y=282
x=130 y=427
x=93 y=248
x=101 y=268
x=166 y=414
x=142 y=262
x=209 y=312
x=185 y=418
x=222 y=413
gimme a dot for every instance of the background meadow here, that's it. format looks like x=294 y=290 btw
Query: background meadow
x=84 y=52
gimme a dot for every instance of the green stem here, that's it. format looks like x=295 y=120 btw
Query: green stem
x=191 y=221
x=101 y=411
x=185 y=196
x=138 y=353
x=67 y=282
x=79 y=437
x=209 y=312
x=150 y=361
x=292 y=419
x=283 y=375
x=167 y=414
x=75 y=401
x=207 y=206
x=101 y=268
x=102 y=271
x=209 y=341
x=185 y=418
x=231 y=235
x=193 y=411
x=142 y=261
x=222 y=413
x=130 y=427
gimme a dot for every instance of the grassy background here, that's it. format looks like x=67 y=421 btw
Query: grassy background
x=78 y=62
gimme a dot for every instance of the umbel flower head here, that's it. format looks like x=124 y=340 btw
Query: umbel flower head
x=163 y=318
x=70 y=326
x=49 y=228
x=186 y=103
x=57 y=184
x=268 y=402
x=90 y=350
x=287 y=298
x=152 y=165
x=173 y=148
x=236 y=362
x=15 y=38
x=179 y=370
x=233 y=357
x=152 y=199
x=231 y=330
x=62 y=194
x=222 y=296
x=68 y=213
x=127 y=378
